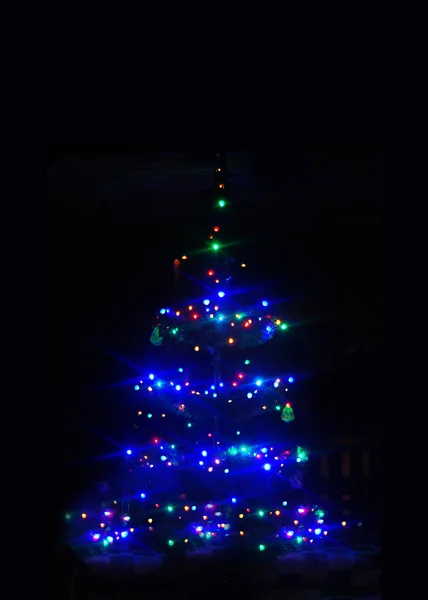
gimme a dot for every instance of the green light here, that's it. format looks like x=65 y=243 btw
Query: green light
x=278 y=407
x=189 y=424
x=172 y=446
x=174 y=331
x=222 y=203
x=262 y=547
x=169 y=508
x=149 y=416
x=247 y=362
x=105 y=543
x=284 y=326
x=216 y=246
x=299 y=540
x=170 y=543
x=261 y=513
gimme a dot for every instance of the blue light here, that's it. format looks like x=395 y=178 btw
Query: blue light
x=265 y=303
x=318 y=531
x=180 y=370
x=137 y=387
x=234 y=500
x=193 y=507
x=276 y=384
x=178 y=388
x=220 y=317
x=201 y=462
x=214 y=395
x=206 y=392
x=159 y=383
x=163 y=458
x=291 y=379
x=213 y=387
x=124 y=534
x=189 y=424
x=204 y=453
x=249 y=395
x=264 y=450
x=143 y=495
x=285 y=503
x=151 y=376
x=267 y=467
x=129 y=452
x=259 y=382
x=221 y=294
x=149 y=416
x=206 y=302
x=238 y=433
x=268 y=328
x=221 y=384
x=226 y=470
x=162 y=311
x=109 y=539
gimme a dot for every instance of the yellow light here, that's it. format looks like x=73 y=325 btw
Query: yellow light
x=149 y=520
x=196 y=348
x=277 y=513
x=163 y=415
x=243 y=265
x=186 y=540
x=218 y=170
x=102 y=525
x=177 y=313
x=131 y=529
x=241 y=516
x=278 y=322
x=190 y=307
x=231 y=340
x=184 y=257
x=186 y=508
x=343 y=523
x=296 y=522
x=241 y=533
x=150 y=389
x=229 y=401
x=114 y=501
x=205 y=517
x=84 y=515
x=139 y=413
x=221 y=185
x=264 y=407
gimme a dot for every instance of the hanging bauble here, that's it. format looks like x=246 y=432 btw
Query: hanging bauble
x=156 y=338
x=287 y=413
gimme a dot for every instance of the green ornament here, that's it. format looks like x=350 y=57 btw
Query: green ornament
x=156 y=338
x=287 y=414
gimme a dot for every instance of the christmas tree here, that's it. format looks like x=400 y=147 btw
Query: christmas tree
x=213 y=459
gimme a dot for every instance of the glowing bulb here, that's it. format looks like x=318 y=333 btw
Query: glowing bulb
x=196 y=348
x=221 y=294
x=221 y=203
x=265 y=303
x=206 y=302
x=230 y=340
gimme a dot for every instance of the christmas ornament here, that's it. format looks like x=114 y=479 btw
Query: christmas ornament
x=156 y=338
x=287 y=414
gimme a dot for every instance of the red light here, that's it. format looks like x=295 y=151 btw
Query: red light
x=210 y=273
x=240 y=376
x=234 y=384
x=156 y=441
x=216 y=229
x=288 y=405
x=195 y=316
x=248 y=510
x=210 y=435
x=157 y=505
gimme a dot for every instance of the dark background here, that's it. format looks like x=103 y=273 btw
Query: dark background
x=118 y=218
